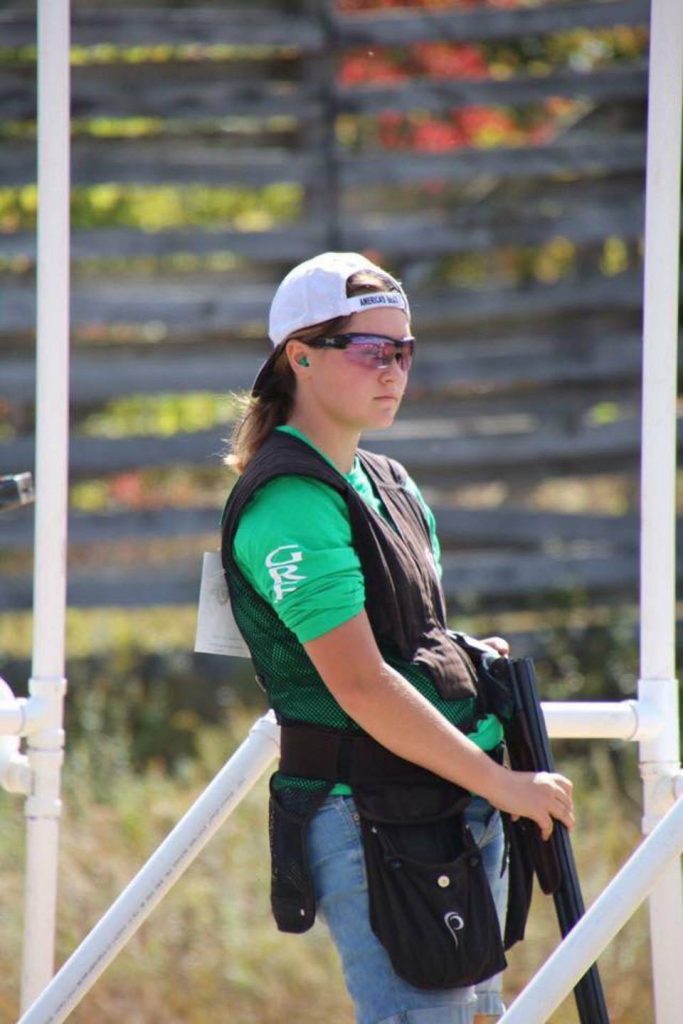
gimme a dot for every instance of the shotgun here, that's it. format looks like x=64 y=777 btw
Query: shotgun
x=516 y=695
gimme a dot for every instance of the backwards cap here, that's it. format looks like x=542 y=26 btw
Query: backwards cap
x=315 y=291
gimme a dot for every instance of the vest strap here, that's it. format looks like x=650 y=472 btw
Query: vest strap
x=314 y=752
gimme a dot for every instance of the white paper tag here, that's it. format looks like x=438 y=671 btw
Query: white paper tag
x=217 y=631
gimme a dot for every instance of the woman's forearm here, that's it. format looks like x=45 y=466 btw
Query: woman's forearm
x=401 y=719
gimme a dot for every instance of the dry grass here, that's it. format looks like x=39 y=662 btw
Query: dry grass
x=210 y=952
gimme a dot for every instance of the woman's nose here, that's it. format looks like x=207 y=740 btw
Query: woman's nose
x=393 y=371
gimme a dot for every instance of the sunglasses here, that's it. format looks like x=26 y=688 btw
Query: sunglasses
x=373 y=351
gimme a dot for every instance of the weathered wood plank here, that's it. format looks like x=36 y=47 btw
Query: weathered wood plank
x=466 y=229
x=187 y=308
x=504 y=527
x=531 y=223
x=167 y=586
x=267 y=27
x=294 y=242
x=506 y=366
x=503 y=407
x=136 y=26
x=488 y=305
x=91 y=456
x=468 y=578
x=392 y=28
x=520 y=365
x=216 y=162
x=99 y=377
x=105 y=527
x=538 y=452
x=172 y=90
x=439 y=96
x=517 y=527
x=542 y=453
x=483 y=579
x=579 y=152
x=166 y=161
x=177 y=101
x=200 y=90
x=176 y=306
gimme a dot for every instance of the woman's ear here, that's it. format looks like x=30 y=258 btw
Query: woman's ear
x=297 y=354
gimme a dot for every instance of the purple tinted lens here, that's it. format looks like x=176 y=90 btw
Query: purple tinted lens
x=378 y=355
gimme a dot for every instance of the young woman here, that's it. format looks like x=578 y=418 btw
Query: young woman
x=391 y=761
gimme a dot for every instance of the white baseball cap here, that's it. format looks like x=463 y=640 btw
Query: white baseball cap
x=315 y=291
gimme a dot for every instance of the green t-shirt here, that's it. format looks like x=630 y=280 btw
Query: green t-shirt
x=293 y=544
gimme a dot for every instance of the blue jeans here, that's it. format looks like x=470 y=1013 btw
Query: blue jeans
x=380 y=996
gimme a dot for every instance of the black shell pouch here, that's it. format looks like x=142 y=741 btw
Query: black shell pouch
x=430 y=902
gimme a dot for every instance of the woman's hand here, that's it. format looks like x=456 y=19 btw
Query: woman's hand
x=499 y=645
x=541 y=796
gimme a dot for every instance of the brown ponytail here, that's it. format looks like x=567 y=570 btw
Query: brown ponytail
x=273 y=407
x=260 y=416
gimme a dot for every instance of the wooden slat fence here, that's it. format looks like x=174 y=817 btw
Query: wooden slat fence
x=523 y=376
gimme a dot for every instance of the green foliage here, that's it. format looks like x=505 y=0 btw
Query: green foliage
x=153 y=208
x=548 y=263
x=160 y=415
x=605 y=412
x=615 y=256
x=132 y=709
x=182 y=486
x=160 y=53
x=589 y=662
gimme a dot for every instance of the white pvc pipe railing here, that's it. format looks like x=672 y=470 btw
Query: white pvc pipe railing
x=12 y=716
x=47 y=683
x=154 y=880
x=615 y=720
x=597 y=928
x=660 y=755
x=14 y=771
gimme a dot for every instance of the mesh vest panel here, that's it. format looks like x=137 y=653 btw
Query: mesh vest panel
x=294 y=687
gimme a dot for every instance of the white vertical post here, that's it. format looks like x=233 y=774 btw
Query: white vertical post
x=47 y=683
x=659 y=756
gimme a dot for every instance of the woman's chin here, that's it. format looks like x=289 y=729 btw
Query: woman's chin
x=386 y=409
x=383 y=419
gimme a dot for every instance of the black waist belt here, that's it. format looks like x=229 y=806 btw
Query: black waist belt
x=314 y=752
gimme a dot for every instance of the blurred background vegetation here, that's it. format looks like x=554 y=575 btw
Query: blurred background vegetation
x=499 y=171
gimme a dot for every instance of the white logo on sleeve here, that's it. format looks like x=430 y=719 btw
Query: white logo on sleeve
x=282 y=568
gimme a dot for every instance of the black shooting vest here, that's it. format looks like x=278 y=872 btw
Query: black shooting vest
x=322 y=746
x=404 y=599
